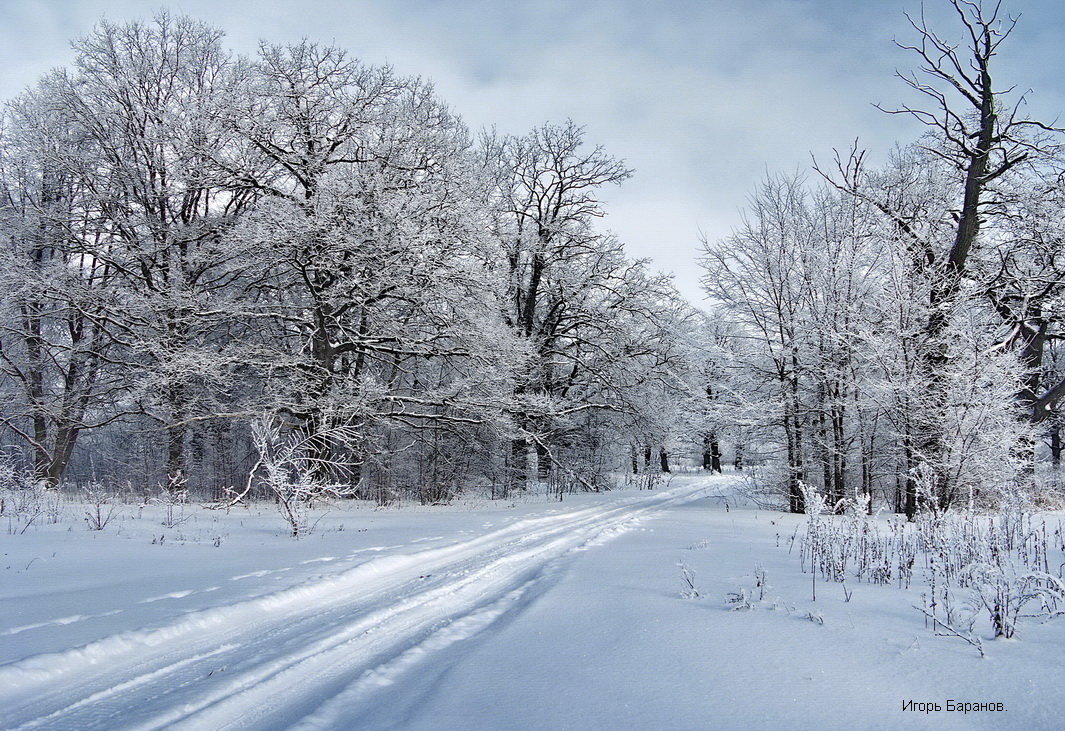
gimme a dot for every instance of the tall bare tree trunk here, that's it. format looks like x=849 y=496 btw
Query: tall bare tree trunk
x=543 y=462
x=1055 y=445
x=519 y=465
x=711 y=453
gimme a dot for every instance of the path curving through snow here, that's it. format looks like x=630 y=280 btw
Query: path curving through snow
x=310 y=654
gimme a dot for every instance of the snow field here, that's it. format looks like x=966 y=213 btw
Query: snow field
x=493 y=616
x=273 y=658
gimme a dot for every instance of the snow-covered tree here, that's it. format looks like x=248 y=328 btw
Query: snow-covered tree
x=593 y=326
x=58 y=343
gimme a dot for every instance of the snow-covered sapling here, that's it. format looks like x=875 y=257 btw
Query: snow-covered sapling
x=738 y=600
x=290 y=467
x=175 y=499
x=687 y=577
x=100 y=510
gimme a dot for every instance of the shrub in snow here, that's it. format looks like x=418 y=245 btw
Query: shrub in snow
x=100 y=510
x=760 y=583
x=290 y=467
x=583 y=474
x=749 y=597
x=1005 y=592
x=738 y=600
x=174 y=499
x=687 y=577
x=25 y=500
x=999 y=565
x=996 y=566
x=761 y=485
x=856 y=544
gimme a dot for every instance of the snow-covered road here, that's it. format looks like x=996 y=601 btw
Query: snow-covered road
x=311 y=654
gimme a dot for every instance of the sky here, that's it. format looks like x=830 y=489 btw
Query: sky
x=703 y=98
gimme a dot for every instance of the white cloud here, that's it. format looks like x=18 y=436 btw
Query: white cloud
x=701 y=97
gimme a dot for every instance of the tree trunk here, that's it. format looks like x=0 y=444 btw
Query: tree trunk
x=796 y=473
x=1055 y=445
x=543 y=462
x=66 y=437
x=909 y=497
x=796 y=504
x=519 y=464
x=175 y=438
x=824 y=450
x=867 y=471
x=900 y=489
x=839 y=456
x=663 y=459
x=711 y=453
x=946 y=286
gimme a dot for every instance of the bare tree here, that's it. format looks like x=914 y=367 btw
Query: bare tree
x=759 y=275
x=978 y=130
x=597 y=331
x=143 y=98
x=57 y=348
x=547 y=198
x=366 y=235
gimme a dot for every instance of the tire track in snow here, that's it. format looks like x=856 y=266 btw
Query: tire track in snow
x=284 y=657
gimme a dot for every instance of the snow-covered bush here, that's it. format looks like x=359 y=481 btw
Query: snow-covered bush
x=869 y=550
x=24 y=500
x=290 y=468
x=739 y=600
x=585 y=475
x=761 y=486
x=997 y=566
x=100 y=508
x=1004 y=592
x=174 y=500
x=687 y=577
x=755 y=594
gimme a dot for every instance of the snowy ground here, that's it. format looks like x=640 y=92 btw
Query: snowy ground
x=480 y=615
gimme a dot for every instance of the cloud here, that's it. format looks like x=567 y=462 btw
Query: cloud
x=701 y=97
